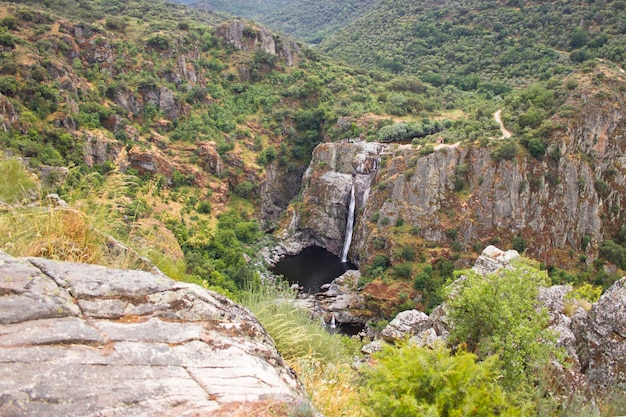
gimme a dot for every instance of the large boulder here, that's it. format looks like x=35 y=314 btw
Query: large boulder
x=405 y=324
x=86 y=340
x=493 y=259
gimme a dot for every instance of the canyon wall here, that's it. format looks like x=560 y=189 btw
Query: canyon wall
x=568 y=201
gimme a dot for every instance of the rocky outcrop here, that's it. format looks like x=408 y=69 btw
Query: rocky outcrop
x=86 y=340
x=150 y=162
x=9 y=118
x=98 y=149
x=247 y=38
x=493 y=259
x=411 y=323
x=601 y=341
x=340 y=299
x=209 y=159
x=551 y=204
x=276 y=191
x=322 y=216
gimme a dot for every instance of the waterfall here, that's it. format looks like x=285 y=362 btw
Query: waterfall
x=333 y=323
x=349 y=227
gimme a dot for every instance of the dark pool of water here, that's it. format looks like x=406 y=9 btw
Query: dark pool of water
x=348 y=329
x=311 y=268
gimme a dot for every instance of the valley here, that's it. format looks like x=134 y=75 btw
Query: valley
x=409 y=140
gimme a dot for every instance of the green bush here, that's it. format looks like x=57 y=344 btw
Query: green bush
x=381 y=261
x=403 y=271
x=407 y=252
x=158 y=41
x=8 y=85
x=519 y=244
x=507 y=150
x=614 y=253
x=499 y=313
x=15 y=182
x=246 y=189
x=410 y=381
x=204 y=207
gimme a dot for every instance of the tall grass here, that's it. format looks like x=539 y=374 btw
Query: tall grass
x=321 y=360
x=86 y=231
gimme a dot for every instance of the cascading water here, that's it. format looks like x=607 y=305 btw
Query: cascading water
x=349 y=227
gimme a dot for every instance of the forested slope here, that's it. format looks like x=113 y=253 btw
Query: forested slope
x=474 y=43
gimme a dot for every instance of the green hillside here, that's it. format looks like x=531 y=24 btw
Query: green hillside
x=474 y=44
x=312 y=21
x=307 y=20
x=152 y=90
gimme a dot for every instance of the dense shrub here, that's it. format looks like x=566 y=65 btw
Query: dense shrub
x=411 y=381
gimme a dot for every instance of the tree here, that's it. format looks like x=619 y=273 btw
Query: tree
x=415 y=381
x=499 y=314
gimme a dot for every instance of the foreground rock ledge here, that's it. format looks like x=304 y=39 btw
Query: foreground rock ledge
x=84 y=340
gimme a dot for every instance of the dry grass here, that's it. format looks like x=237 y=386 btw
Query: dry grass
x=86 y=231
x=51 y=233
x=333 y=387
x=320 y=359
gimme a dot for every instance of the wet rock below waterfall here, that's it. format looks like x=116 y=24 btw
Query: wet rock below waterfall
x=341 y=299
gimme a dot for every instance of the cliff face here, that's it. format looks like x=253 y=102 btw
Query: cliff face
x=320 y=219
x=460 y=194
x=87 y=340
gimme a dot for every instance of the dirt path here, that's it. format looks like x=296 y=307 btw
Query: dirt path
x=505 y=133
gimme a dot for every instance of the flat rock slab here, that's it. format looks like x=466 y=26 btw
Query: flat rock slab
x=84 y=340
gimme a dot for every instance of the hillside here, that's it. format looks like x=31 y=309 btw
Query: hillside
x=145 y=135
x=474 y=44
x=307 y=20
x=203 y=120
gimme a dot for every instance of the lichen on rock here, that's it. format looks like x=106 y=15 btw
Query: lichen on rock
x=84 y=340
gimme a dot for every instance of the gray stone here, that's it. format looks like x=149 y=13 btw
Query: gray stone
x=22 y=289
x=601 y=340
x=406 y=324
x=426 y=338
x=84 y=340
x=493 y=259
x=375 y=346
x=342 y=299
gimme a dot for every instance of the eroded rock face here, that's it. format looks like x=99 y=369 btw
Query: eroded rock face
x=335 y=168
x=87 y=340
x=243 y=37
x=601 y=340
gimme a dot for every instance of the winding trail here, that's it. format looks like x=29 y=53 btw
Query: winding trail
x=505 y=133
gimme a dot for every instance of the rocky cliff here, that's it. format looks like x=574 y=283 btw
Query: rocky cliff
x=320 y=218
x=464 y=194
x=86 y=340
x=460 y=193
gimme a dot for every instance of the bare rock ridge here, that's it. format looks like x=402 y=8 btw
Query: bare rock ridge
x=85 y=340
